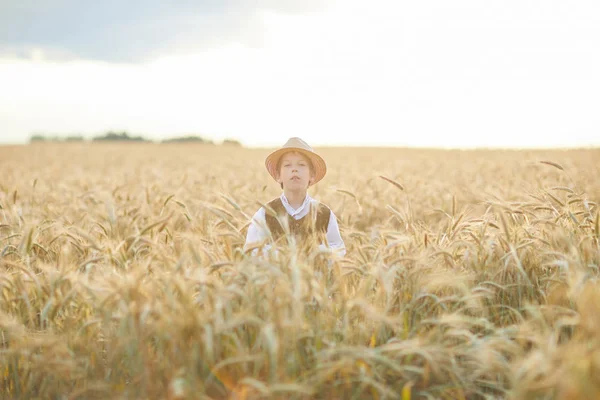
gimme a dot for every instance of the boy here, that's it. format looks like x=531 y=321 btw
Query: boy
x=296 y=167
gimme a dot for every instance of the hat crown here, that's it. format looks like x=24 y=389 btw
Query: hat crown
x=296 y=142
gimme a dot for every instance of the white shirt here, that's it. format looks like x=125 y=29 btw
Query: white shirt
x=258 y=230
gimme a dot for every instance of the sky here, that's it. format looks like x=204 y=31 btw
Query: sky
x=430 y=73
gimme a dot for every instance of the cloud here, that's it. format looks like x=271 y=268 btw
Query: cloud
x=432 y=73
x=134 y=30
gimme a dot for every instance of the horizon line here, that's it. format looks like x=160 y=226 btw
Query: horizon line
x=327 y=146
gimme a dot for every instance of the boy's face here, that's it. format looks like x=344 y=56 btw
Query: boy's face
x=295 y=172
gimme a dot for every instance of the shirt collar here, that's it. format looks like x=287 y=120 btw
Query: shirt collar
x=290 y=209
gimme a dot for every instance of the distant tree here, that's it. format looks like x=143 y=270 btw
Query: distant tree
x=37 y=138
x=74 y=138
x=231 y=142
x=187 y=139
x=121 y=137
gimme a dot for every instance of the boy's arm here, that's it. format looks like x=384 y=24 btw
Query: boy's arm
x=334 y=238
x=257 y=231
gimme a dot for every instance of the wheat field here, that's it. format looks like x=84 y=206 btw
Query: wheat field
x=468 y=275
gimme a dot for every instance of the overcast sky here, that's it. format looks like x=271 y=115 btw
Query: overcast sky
x=436 y=73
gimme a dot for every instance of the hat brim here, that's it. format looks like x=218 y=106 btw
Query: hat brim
x=319 y=166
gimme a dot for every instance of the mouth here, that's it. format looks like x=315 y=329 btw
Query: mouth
x=295 y=178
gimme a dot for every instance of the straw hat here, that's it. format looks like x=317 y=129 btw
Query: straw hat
x=299 y=145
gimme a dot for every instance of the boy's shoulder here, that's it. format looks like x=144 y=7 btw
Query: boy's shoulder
x=316 y=202
x=274 y=201
x=320 y=207
x=272 y=207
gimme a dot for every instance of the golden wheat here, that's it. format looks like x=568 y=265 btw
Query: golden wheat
x=122 y=275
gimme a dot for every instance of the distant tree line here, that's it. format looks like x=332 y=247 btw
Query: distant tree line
x=125 y=137
x=188 y=139
x=118 y=137
x=42 y=138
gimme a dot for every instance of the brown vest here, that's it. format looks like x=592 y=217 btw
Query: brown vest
x=311 y=226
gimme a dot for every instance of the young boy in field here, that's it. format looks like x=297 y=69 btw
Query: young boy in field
x=295 y=167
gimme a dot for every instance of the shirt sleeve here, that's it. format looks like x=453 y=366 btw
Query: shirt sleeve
x=334 y=238
x=257 y=231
